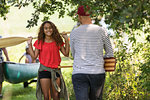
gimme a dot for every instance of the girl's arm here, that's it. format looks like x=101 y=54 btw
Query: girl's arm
x=34 y=53
x=26 y=60
x=21 y=58
x=33 y=61
x=65 y=49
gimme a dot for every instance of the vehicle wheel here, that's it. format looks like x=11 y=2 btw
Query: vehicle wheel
x=25 y=84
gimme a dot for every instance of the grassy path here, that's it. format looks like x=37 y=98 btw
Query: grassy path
x=18 y=92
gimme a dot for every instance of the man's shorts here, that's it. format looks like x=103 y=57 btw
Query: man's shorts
x=1 y=73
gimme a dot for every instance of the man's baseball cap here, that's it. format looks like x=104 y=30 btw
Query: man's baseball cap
x=82 y=12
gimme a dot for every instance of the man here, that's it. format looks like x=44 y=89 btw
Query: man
x=1 y=69
x=87 y=43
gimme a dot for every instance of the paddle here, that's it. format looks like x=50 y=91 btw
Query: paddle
x=11 y=41
x=64 y=66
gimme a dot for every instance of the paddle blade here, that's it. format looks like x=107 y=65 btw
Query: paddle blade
x=11 y=41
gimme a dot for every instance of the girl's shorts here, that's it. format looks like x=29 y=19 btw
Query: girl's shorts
x=46 y=74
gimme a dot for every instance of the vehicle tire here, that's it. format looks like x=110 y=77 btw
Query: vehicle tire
x=25 y=84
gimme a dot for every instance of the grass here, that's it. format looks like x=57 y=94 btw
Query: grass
x=18 y=92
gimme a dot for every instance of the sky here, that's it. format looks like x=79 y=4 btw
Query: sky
x=16 y=22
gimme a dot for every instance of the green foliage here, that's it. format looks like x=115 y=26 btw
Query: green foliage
x=130 y=81
x=34 y=20
x=4 y=9
x=122 y=84
x=145 y=67
x=121 y=15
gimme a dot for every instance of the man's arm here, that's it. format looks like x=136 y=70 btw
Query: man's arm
x=107 y=45
x=6 y=54
x=72 y=45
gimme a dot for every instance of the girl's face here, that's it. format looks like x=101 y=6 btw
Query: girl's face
x=48 y=30
x=27 y=50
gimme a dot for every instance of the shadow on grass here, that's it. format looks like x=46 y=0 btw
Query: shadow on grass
x=18 y=92
x=23 y=91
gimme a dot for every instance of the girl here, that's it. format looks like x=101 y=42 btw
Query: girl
x=47 y=48
x=28 y=59
x=28 y=56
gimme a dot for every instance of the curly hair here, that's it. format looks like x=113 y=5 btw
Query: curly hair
x=55 y=35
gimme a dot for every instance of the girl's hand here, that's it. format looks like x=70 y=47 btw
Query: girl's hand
x=30 y=40
x=65 y=36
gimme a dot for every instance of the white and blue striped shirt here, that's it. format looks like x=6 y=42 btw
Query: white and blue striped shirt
x=1 y=56
x=87 y=43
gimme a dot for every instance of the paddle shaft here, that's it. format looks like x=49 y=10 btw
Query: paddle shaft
x=11 y=41
x=64 y=33
x=64 y=66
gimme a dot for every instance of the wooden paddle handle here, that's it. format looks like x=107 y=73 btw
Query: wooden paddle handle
x=60 y=34
x=32 y=38
x=64 y=66
x=35 y=37
x=64 y=33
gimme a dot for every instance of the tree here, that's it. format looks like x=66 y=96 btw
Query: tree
x=3 y=9
x=121 y=15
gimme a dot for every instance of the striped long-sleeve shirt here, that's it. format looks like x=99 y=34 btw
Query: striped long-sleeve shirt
x=1 y=57
x=87 y=43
